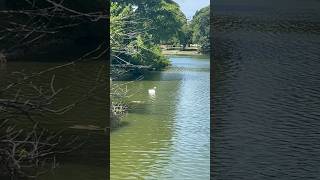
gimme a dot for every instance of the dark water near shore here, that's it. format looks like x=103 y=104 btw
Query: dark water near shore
x=266 y=90
x=166 y=136
x=90 y=161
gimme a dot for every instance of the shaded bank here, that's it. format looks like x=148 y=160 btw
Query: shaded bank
x=266 y=89
x=87 y=120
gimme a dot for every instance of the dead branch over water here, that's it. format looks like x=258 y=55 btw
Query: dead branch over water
x=30 y=153
x=38 y=20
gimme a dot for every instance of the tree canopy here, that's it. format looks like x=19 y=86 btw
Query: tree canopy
x=157 y=14
x=137 y=28
x=200 y=27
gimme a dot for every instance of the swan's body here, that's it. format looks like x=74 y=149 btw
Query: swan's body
x=152 y=91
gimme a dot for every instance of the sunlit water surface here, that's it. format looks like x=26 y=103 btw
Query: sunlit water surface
x=166 y=136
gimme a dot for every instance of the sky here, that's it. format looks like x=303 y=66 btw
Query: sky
x=189 y=7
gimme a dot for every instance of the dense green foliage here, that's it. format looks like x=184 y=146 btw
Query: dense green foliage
x=130 y=41
x=200 y=26
x=163 y=19
x=137 y=29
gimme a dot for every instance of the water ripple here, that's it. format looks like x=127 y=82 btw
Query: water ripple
x=267 y=92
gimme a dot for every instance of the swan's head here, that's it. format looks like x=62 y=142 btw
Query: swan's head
x=154 y=87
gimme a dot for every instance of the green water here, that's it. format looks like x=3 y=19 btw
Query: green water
x=166 y=136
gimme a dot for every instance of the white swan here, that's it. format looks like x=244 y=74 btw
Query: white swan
x=152 y=91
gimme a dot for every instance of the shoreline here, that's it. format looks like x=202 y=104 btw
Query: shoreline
x=179 y=52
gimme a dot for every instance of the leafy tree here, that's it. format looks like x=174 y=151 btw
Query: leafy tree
x=136 y=30
x=185 y=37
x=200 y=26
x=158 y=14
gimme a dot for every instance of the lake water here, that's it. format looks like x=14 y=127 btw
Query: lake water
x=90 y=161
x=166 y=136
x=266 y=95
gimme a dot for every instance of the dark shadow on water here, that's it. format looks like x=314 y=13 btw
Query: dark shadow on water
x=123 y=124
